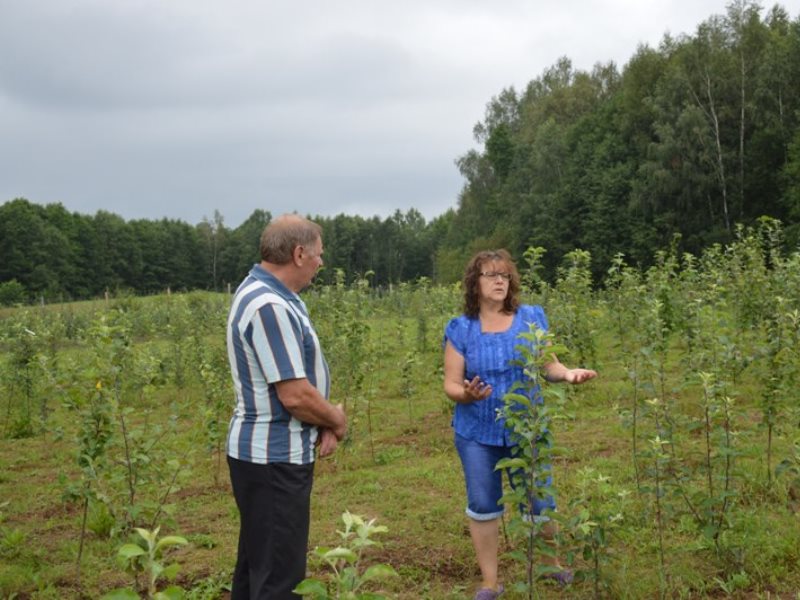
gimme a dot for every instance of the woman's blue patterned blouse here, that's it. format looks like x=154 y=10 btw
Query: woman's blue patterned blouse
x=489 y=356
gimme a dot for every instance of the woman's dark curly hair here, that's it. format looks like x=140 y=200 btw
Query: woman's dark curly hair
x=471 y=284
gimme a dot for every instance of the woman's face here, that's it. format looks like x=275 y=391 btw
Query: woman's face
x=493 y=281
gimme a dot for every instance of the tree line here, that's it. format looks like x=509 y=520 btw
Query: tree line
x=675 y=149
x=689 y=138
x=50 y=252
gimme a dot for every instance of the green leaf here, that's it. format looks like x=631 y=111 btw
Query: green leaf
x=148 y=536
x=340 y=552
x=321 y=551
x=587 y=527
x=312 y=587
x=378 y=529
x=378 y=572
x=170 y=540
x=173 y=592
x=519 y=398
x=511 y=463
x=348 y=518
x=130 y=551
x=518 y=556
x=170 y=571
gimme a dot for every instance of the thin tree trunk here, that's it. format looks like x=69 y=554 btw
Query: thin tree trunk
x=718 y=142
x=711 y=115
x=741 y=137
x=83 y=537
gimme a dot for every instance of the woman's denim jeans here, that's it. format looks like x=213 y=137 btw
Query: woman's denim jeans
x=485 y=484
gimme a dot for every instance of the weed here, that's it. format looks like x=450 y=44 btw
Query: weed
x=146 y=557
x=348 y=576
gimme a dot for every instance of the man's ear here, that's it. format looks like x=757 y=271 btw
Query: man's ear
x=297 y=255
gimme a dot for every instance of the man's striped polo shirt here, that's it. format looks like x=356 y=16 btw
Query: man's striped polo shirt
x=271 y=339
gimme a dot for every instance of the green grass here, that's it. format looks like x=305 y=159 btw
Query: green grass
x=406 y=475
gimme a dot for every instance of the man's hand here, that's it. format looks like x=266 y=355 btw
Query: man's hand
x=340 y=430
x=305 y=403
x=327 y=442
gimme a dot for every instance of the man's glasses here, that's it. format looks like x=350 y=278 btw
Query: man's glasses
x=496 y=274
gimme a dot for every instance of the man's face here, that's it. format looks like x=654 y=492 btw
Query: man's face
x=311 y=256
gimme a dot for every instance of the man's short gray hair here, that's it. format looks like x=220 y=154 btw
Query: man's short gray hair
x=284 y=234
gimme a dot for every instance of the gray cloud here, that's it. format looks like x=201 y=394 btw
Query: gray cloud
x=174 y=109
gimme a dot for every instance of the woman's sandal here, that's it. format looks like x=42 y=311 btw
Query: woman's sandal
x=488 y=593
x=563 y=578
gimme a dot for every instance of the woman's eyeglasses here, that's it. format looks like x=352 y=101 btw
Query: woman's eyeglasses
x=496 y=274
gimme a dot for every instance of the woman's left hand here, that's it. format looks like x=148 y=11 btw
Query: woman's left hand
x=579 y=375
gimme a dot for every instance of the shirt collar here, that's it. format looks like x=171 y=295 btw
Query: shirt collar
x=273 y=282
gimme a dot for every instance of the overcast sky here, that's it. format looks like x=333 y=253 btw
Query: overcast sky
x=175 y=108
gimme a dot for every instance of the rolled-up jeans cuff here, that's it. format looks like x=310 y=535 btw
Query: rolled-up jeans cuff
x=485 y=516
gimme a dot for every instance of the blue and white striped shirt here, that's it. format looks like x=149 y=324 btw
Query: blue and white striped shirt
x=271 y=339
x=490 y=356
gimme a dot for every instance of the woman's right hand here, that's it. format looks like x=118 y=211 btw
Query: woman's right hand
x=476 y=390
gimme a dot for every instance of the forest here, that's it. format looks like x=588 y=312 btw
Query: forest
x=675 y=149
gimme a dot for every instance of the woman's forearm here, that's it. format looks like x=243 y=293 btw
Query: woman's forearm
x=457 y=392
x=555 y=372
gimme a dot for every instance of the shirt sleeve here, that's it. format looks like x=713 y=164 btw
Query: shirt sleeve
x=455 y=333
x=276 y=338
x=535 y=314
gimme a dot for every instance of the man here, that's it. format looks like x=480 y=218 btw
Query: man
x=281 y=383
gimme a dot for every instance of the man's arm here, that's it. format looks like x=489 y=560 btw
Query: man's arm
x=275 y=342
x=304 y=402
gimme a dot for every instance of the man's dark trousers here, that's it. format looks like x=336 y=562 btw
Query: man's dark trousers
x=274 y=503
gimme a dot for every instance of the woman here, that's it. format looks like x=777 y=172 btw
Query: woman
x=478 y=372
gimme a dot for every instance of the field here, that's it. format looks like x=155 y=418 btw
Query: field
x=677 y=471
